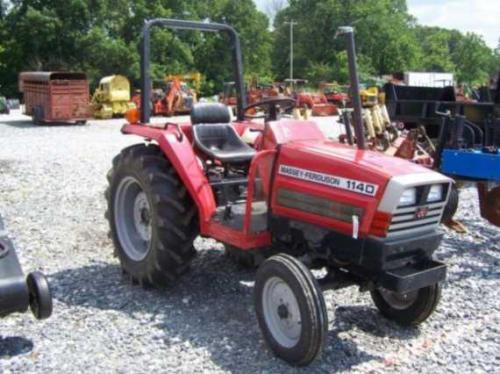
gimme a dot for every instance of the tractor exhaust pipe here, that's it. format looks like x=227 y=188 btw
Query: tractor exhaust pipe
x=348 y=31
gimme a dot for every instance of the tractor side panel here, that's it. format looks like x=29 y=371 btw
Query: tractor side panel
x=329 y=193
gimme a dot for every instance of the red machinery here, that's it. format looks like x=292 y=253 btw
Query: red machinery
x=254 y=93
x=228 y=96
x=314 y=101
x=175 y=98
x=55 y=96
x=334 y=94
x=295 y=198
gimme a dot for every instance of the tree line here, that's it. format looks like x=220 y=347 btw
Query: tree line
x=101 y=37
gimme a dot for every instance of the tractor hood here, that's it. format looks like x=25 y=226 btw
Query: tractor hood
x=332 y=156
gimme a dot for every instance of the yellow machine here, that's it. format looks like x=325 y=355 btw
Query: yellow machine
x=112 y=97
x=376 y=118
x=369 y=96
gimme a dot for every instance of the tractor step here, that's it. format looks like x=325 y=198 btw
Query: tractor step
x=233 y=216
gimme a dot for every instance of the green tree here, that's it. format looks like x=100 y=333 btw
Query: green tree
x=436 y=49
x=101 y=37
x=213 y=56
x=473 y=59
x=385 y=37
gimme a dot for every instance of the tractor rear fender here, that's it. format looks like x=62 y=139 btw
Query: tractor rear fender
x=178 y=150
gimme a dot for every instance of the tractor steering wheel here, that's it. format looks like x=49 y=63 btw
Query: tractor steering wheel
x=271 y=107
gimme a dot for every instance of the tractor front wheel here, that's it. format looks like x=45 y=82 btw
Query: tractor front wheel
x=152 y=217
x=410 y=308
x=290 y=309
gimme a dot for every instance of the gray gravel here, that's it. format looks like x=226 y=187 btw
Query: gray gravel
x=51 y=197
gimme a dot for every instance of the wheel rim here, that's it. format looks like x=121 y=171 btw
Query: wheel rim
x=399 y=301
x=132 y=216
x=281 y=312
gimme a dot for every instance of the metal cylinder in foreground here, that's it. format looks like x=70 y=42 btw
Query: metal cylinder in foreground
x=353 y=77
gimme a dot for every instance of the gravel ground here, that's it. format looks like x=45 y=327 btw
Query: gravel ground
x=51 y=198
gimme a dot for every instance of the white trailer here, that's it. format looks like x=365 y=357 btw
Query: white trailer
x=429 y=79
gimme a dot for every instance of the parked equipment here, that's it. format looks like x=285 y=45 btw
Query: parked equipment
x=17 y=293
x=55 y=97
x=468 y=158
x=316 y=102
x=13 y=103
x=295 y=198
x=228 y=95
x=176 y=97
x=112 y=97
x=4 y=105
x=335 y=93
x=255 y=92
x=456 y=132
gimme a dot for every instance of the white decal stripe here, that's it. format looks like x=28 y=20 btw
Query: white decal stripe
x=352 y=185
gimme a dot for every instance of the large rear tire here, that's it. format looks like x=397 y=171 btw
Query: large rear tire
x=152 y=217
x=408 y=309
x=290 y=309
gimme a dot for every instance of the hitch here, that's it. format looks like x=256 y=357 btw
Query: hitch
x=17 y=293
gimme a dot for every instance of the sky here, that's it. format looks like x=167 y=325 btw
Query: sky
x=479 y=16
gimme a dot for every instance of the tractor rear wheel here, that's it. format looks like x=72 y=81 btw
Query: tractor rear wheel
x=152 y=217
x=410 y=308
x=290 y=309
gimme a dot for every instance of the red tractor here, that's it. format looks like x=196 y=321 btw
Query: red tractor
x=292 y=201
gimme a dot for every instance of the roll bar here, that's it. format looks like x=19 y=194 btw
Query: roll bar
x=354 y=79
x=188 y=25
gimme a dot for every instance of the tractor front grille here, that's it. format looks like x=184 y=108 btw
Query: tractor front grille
x=414 y=219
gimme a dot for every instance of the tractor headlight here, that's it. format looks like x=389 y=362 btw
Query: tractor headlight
x=409 y=197
x=435 y=193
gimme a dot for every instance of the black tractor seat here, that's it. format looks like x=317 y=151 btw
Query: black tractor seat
x=214 y=135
